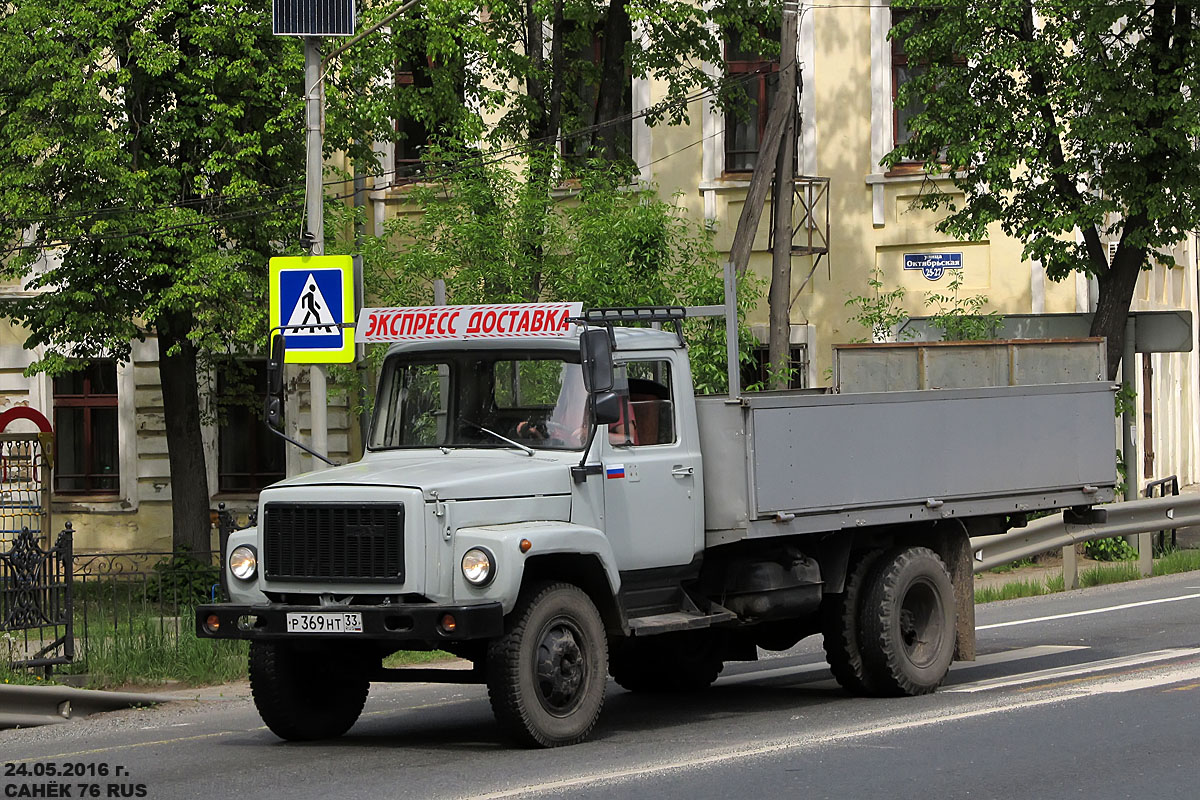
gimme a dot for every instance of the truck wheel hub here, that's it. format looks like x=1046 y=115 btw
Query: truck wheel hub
x=560 y=667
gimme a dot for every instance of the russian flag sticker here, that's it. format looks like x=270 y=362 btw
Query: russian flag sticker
x=614 y=471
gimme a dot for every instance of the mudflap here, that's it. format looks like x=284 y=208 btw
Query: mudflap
x=955 y=550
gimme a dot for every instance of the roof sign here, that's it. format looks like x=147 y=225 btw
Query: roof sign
x=512 y=320
x=312 y=302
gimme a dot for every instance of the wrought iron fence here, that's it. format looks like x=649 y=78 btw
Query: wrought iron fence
x=36 y=613
x=138 y=605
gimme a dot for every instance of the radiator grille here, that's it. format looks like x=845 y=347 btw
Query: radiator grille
x=363 y=542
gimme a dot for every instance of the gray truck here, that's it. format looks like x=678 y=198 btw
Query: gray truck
x=556 y=509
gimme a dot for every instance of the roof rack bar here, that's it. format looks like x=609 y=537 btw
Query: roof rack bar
x=608 y=317
x=635 y=314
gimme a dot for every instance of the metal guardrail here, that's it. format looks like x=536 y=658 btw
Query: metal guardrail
x=1101 y=522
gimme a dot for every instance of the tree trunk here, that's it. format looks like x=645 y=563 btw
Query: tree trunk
x=185 y=445
x=613 y=79
x=1116 y=285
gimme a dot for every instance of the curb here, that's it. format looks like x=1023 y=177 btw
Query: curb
x=29 y=706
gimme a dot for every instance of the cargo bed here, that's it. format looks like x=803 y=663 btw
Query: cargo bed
x=800 y=462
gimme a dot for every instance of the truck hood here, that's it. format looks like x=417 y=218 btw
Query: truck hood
x=457 y=475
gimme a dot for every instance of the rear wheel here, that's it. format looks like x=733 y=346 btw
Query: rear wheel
x=840 y=627
x=546 y=676
x=303 y=695
x=908 y=622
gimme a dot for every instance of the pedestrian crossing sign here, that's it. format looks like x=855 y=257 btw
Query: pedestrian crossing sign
x=312 y=303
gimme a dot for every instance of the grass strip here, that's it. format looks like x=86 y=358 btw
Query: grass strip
x=1117 y=572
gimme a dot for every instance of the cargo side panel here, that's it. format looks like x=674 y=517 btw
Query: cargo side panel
x=834 y=452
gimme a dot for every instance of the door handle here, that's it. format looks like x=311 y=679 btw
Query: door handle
x=680 y=471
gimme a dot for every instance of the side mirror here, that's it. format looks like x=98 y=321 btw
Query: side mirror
x=275 y=412
x=595 y=352
x=275 y=365
x=606 y=408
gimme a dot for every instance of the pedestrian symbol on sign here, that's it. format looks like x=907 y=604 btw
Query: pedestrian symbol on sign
x=311 y=311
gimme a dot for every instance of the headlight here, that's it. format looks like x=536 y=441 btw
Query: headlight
x=477 y=566
x=243 y=562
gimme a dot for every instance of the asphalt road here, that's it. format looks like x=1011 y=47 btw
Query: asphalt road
x=1090 y=694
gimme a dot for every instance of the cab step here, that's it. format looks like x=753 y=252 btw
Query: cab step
x=686 y=619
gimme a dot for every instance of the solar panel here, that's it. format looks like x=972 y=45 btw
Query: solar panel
x=312 y=17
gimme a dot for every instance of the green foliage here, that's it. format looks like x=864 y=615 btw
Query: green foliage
x=880 y=312
x=147 y=649
x=1125 y=399
x=1177 y=561
x=958 y=318
x=1109 y=573
x=1115 y=549
x=961 y=319
x=1013 y=589
x=182 y=580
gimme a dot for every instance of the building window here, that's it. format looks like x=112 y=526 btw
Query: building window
x=586 y=60
x=249 y=457
x=432 y=97
x=902 y=72
x=412 y=134
x=756 y=375
x=758 y=78
x=85 y=425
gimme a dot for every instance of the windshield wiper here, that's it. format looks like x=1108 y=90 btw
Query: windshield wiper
x=528 y=450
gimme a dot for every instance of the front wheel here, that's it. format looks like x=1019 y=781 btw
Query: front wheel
x=907 y=622
x=546 y=676
x=304 y=695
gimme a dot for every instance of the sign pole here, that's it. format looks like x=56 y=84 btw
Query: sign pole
x=315 y=214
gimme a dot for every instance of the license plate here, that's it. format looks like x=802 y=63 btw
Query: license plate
x=322 y=622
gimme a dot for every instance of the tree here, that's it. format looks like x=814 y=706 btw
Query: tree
x=151 y=157
x=1053 y=118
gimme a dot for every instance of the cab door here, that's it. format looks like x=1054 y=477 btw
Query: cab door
x=651 y=472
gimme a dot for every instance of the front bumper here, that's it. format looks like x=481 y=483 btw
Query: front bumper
x=394 y=623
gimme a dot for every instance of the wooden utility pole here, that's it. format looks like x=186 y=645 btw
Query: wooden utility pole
x=779 y=297
x=776 y=147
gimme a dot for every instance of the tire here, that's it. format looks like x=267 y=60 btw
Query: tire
x=840 y=628
x=546 y=675
x=667 y=663
x=307 y=695
x=907 y=622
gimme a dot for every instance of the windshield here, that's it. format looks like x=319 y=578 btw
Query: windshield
x=480 y=399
